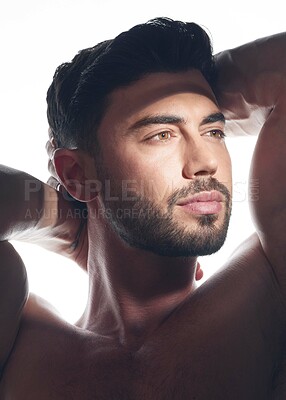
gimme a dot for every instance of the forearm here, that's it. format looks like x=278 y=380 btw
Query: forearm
x=251 y=78
x=21 y=200
x=33 y=211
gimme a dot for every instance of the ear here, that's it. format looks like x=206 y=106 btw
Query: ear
x=199 y=272
x=76 y=171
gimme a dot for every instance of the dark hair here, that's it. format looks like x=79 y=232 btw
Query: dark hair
x=78 y=95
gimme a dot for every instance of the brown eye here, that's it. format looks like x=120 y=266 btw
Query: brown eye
x=163 y=136
x=217 y=134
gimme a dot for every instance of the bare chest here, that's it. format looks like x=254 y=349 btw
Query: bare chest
x=208 y=366
x=225 y=344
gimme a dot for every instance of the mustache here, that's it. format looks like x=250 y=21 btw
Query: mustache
x=197 y=186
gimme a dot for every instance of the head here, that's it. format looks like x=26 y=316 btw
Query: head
x=79 y=94
x=137 y=113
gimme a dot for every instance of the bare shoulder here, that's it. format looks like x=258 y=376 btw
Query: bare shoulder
x=43 y=322
x=233 y=322
x=41 y=329
x=52 y=358
x=243 y=295
x=246 y=275
x=38 y=308
x=45 y=350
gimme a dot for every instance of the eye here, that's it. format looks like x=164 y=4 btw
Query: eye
x=163 y=136
x=216 y=134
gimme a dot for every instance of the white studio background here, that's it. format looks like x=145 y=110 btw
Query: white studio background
x=37 y=36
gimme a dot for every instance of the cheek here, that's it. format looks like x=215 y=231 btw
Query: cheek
x=143 y=167
x=162 y=175
x=153 y=180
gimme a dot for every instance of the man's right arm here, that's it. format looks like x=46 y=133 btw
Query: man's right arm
x=31 y=211
x=13 y=296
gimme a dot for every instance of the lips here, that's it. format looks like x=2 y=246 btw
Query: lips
x=203 y=203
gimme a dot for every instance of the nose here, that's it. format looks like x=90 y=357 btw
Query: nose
x=200 y=159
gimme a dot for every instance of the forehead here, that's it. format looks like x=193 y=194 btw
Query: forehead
x=154 y=93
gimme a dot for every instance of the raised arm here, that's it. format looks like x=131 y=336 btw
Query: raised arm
x=252 y=94
x=33 y=211
x=13 y=296
x=251 y=81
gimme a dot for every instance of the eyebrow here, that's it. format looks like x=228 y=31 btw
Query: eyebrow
x=214 y=117
x=173 y=119
x=156 y=120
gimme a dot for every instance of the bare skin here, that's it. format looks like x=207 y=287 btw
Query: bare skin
x=147 y=331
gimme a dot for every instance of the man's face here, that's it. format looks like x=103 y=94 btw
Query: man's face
x=164 y=165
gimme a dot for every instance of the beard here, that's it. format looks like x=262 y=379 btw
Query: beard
x=142 y=224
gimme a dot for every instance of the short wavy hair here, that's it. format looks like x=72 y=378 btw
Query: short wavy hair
x=78 y=95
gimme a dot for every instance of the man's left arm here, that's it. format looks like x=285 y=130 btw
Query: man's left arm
x=251 y=91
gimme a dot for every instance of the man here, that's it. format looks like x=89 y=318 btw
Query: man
x=139 y=139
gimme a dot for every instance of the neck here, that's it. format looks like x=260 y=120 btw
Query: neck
x=131 y=290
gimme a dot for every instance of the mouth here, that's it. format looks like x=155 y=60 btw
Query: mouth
x=203 y=203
